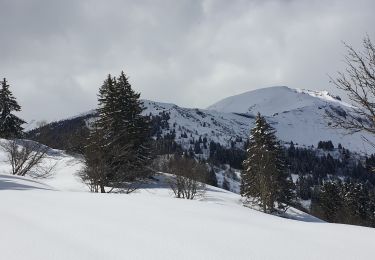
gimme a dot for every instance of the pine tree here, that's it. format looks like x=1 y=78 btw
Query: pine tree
x=98 y=172
x=133 y=129
x=303 y=188
x=225 y=185
x=264 y=178
x=107 y=102
x=10 y=125
x=330 y=200
x=122 y=133
x=211 y=178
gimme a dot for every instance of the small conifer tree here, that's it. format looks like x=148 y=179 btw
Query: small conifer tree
x=10 y=124
x=264 y=178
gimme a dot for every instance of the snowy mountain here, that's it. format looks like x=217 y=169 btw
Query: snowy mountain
x=222 y=128
x=272 y=100
x=297 y=115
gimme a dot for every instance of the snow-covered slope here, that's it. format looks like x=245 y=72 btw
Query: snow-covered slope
x=269 y=101
x=42 y=221
x=297 y=115
x=57 y=218
x=218 y=127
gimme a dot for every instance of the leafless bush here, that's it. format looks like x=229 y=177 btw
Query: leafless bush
x=94 y=172
x=189 y=177
x=160 y=163
x=26 y=158
x=358 y=81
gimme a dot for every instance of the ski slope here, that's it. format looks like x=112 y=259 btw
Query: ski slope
x=56 y=218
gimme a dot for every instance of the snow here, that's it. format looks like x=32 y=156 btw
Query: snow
x=56 y=218
x=271 y=100
x=32 y=124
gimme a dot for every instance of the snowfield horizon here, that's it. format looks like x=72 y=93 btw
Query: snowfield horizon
x=56 y=218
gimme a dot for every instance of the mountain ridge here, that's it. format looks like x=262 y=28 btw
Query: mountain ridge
x=271 y=100
x=297 y=115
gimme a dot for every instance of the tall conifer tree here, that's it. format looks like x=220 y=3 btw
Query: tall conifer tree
x=10 y=124
x=133 y=128
x=121 y=132
x=264 y=178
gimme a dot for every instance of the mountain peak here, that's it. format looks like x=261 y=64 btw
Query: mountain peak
x=271 y=100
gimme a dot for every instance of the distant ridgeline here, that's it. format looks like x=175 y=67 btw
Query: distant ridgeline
x=69 y=135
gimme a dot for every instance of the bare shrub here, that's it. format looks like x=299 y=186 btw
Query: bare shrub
x=358 y=82
x=189 y=177
x=95 y=170
x=26 y=158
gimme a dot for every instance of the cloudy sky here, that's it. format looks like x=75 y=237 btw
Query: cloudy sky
x=56 y=54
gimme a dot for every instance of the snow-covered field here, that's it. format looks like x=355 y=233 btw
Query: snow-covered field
x=56 y=218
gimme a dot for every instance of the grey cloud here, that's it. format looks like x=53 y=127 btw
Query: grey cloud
x=193 y=53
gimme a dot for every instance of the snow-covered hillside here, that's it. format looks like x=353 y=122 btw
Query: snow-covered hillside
x=297 y=115
x=219 y=127
x=269 y=101
x=58 y=219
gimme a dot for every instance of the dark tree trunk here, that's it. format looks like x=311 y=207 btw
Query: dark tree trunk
x=102 y=190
